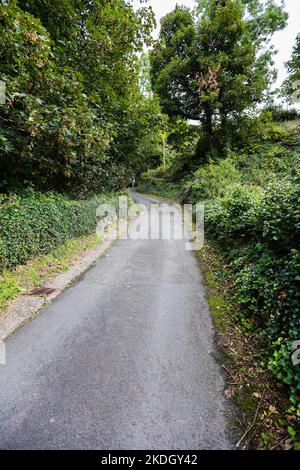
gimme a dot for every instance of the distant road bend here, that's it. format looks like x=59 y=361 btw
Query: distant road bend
x=123 y=359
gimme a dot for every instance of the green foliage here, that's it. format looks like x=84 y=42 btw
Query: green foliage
x=9 y=288
x=73 y=100
x=213 y=180
x=260 y=238
x=251 y=131
x=138 y=138
x=182 y=140
x=281 y=114
x=181 y=134
x=291 y=86
x=261 y=164
x=144 y=74
x=157 y=182
x=39 y=270
x=216 y=65
x=168 y=67
x=36 y=223
x=253 y=213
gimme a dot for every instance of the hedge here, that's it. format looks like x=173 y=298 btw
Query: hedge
x=259 y=233
x=36 y=223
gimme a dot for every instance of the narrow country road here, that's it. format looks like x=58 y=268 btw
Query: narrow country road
x=124 y=359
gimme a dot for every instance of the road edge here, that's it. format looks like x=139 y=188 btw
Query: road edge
x=26 y=307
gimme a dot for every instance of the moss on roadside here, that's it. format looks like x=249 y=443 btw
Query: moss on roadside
x=218 y=309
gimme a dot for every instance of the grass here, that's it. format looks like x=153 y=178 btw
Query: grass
x=9 y=288
x=37 y=271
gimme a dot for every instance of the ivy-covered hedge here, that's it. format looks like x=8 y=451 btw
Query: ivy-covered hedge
x=36 y=223
x=259 y=232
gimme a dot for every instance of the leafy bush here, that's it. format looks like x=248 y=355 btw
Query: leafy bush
x=255 y=130
x=36 y=223
x=263 y=163
x=259 y=231
x=158 y=182
x=212 y=180
x=74 y=117
x=280 y=114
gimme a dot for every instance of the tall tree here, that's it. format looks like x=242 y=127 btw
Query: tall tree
x=292 y=84
x=71 y=74
x=213 y=65
x=144 y=74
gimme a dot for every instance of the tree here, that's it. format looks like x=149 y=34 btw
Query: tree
x=291 y=86
x=144 y=74
x=71 y=74
x=214 y=65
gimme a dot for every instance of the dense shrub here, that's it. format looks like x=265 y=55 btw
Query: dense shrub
x=36 y=223
x=158 y=182
x=262 y=163
x=259 y=232
x=212 y=180
x=74 y=118
x=253 y=131
x=280 y=114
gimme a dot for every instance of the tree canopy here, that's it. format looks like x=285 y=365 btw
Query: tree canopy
x=212 y=64
x=74 y=115
x=292 y=84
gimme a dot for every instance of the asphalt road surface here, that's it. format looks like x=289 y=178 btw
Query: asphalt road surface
x=124 y=359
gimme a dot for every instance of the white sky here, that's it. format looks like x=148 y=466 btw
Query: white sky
x=283 y=41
